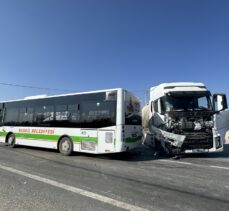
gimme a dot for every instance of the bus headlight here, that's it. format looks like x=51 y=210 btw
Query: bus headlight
x=218 y=142
x=109 y=138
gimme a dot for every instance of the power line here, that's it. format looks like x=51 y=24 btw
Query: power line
x=146 y=92
x=35 y=87
x=54 y=89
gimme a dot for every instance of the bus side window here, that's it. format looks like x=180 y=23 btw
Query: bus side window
x=97 y=114
x=74 y=113
x=61 y=113
x=11 y=114
x=44 y=115
x=1 y=113
x=67 y=115
x=26 y=116
x=1 y=116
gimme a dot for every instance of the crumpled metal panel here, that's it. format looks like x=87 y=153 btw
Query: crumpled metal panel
x=174 y=139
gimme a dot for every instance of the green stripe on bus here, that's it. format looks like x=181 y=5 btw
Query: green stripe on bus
x=133 y=139
x=50 y=137
x=3 y=133
x=37 y=136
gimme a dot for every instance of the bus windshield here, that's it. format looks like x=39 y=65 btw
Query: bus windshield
x=186 y=103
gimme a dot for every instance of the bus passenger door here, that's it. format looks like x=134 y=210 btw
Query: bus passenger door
x=106 y=141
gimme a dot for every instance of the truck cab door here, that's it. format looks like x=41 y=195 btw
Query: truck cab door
x=221 y=116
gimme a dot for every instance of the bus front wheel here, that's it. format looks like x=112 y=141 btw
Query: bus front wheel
x=65 y=146
x=11 y=140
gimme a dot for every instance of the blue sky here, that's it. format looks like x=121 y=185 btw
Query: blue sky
x=85 y=45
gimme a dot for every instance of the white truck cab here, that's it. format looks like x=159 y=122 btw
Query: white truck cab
x=184 y=117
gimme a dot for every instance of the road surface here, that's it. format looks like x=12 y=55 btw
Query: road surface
x=39 y=179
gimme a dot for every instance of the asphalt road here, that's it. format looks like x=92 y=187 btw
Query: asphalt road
x=38 y=179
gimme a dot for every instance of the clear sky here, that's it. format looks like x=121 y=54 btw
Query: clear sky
x=84 y=45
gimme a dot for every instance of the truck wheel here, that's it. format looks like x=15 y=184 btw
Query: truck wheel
x=65 y=146
x=162 y=148
x=11 y=141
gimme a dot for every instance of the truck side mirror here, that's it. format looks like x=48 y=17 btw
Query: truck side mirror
x=219 y=102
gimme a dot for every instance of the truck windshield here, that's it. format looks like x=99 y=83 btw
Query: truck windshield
x=186 y=103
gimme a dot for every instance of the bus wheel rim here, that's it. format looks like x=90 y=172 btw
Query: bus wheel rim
x=65 y=146
x=11 y=140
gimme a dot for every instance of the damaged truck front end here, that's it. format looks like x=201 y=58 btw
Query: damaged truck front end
x=198 y=129
x=185 y=121
x=188 y=132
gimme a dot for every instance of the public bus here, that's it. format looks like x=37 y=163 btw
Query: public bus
x=105 y=121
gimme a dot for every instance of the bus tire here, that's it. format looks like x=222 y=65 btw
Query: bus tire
x=65 y=146
x=11 y=140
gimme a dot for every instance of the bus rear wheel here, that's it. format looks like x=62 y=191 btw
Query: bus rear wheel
x=11 y=141
x=65 y=146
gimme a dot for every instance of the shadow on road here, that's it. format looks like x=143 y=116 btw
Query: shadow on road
x=142 y=153
x=145 y=153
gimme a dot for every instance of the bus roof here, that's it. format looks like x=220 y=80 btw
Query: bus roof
x=36 y=97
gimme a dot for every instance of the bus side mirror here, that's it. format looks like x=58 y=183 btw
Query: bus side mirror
x=219 y=102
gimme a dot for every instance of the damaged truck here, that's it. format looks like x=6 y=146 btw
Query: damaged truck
x=185 y=118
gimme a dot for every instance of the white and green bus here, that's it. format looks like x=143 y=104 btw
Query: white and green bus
x=106 y=121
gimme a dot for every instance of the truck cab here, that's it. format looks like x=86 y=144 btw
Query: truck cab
x=186 y=118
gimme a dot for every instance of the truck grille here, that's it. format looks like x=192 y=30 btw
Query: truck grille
x=199 y=140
